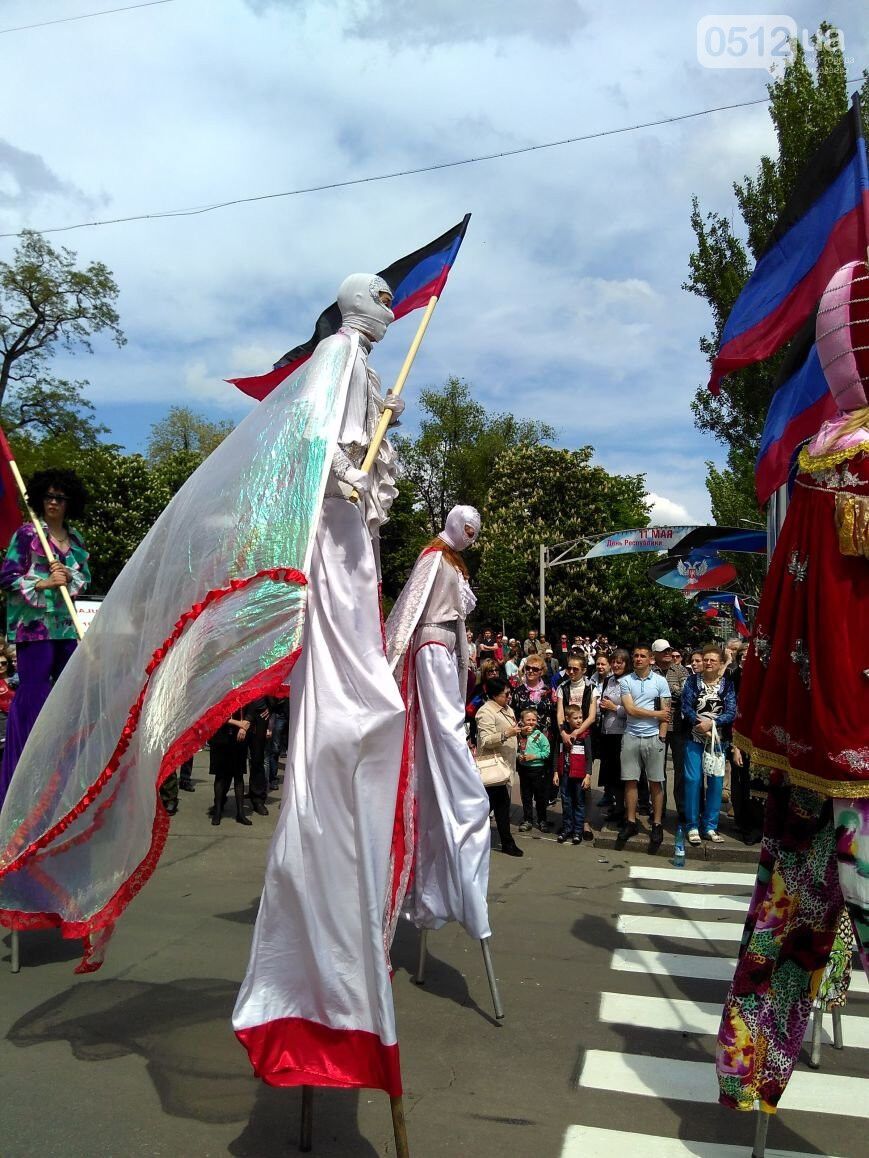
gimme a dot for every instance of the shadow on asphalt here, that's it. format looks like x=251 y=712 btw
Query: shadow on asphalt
x=182 y=1030
x=43 y=947
x=441 y=980
x=709 y=1123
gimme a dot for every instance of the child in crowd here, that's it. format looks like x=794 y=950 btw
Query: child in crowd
x=575 y=774
x=531 y=761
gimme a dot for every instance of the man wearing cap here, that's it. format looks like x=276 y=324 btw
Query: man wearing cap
x=646 y=700
x=675 y=675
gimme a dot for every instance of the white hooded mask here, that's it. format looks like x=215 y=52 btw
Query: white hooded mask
x=361 y=307
x=454 y=531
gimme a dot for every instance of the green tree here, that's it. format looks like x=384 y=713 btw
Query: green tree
x=401 y=540
x=580 y=500
x=805 y=104
x=450 y=460
x=47 y=305
x=184 y=431
x=51 y=409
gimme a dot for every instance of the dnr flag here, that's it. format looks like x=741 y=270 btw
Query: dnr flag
x=414 y=280
x=822 y=227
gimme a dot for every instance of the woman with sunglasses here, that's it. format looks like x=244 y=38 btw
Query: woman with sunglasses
x=37 y=620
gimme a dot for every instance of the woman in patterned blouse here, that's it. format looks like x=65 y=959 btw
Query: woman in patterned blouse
x=37 y=620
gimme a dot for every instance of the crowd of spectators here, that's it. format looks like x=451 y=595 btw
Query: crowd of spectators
x=638 y=716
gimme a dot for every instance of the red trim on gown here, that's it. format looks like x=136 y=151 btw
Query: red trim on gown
x=269 y=682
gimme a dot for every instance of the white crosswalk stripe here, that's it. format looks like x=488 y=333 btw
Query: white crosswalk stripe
x=685 y=1016
x=591 y=1142
x=688 y=901
x=696 y=965
x=682 y=900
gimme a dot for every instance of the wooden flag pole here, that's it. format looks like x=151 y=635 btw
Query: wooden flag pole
x=43 y=539
x=386 y=416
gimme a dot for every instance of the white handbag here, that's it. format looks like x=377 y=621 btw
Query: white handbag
x=714 y=763
x=494 y=770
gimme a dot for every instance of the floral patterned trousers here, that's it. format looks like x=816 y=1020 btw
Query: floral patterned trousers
x=814 y=862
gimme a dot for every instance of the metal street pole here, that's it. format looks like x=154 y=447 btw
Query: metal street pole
x=542 y=591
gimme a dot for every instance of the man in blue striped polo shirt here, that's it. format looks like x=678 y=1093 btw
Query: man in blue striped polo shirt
x=646 y=699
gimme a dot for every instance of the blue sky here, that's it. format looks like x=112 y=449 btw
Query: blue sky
x=565 y=303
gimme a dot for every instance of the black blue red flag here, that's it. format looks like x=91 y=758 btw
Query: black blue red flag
x=414 y=280
x=822 y=227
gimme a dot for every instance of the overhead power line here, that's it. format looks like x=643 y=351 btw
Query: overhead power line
x=197 y=210
x=84 y=16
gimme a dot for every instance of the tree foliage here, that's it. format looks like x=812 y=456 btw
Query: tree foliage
x=805 y=104
x=52 y=408
x=459 y=440
x=185 y=432
x=47 y=305
x=538 y=494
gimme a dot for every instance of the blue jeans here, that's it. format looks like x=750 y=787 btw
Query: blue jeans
x=572 y=806
x=276 y=743
x=714 y=787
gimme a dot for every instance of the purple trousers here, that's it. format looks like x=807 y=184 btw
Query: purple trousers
x=39 y=665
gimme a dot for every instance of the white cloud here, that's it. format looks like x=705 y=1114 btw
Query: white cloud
x=667 y=512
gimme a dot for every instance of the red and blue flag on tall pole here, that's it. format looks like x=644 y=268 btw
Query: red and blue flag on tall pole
x=10 y=512
x=822 y=227
x=414 y=280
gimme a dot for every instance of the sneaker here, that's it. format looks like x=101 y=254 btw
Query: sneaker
x=656 y=837
x=553 y=800
x=525 y=826
x=273 y=785
x=544 y=826
x=628 y=829
x=577 y=839
x=715 y=837
x=693 y=836
x=513 y=849
x=563 y=837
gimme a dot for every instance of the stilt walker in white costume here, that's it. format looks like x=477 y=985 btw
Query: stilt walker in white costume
x=446 y=807
x=316 y=1006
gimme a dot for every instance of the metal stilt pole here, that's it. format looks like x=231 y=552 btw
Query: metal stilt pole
x=306 y=1130
x=420 y=961
x=15 y=952
x=760 y=1129
x=399 y=1127
x=490 y=973
x=817 y=1025
x=838 y=1041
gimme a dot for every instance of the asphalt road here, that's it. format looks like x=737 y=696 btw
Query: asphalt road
x=606 y=1047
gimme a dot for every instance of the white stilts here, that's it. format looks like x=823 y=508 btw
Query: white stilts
x=761 y=1127
x=423 y=953
x=490 y=973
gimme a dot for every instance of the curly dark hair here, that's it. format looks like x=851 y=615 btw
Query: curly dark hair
x=65 y=480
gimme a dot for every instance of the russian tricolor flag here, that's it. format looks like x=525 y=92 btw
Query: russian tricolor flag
x=414 y=279
x=710 y=606
x=822 y=227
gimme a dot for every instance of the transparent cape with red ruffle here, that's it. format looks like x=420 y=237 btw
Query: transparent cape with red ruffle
x=207 y=615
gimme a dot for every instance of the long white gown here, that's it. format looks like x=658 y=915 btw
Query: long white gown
x=451 y=848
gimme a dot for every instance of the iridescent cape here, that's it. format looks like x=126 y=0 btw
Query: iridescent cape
x=206 y=615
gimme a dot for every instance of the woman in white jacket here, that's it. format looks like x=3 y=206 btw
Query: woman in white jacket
x=496 y=736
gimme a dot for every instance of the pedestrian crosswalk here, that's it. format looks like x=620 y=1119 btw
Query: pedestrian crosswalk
x=679 y=930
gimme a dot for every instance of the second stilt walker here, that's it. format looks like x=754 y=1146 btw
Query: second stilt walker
x=444 y=806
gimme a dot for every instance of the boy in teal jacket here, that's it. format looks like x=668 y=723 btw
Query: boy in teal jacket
x=531 y=761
